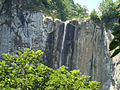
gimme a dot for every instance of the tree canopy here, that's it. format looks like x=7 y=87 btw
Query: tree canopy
x=61 y=9
x=110 y=12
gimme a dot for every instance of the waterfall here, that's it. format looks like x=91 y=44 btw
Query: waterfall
x=62 y=46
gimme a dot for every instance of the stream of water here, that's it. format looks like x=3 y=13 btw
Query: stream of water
x=63 y=40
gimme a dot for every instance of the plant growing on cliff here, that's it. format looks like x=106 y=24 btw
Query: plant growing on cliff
x=115 y=43
x=94 y=16
x=24 y=71
x=116 y=40
x=61 y=9
x=110 y=11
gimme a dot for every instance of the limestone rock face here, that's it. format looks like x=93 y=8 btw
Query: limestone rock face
x=15 y=36
x=20 y=29
x=78 y=45
x=115 y=64
x=85 y=46
x=1 y=4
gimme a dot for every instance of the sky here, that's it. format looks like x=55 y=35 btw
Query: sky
x=90 y=4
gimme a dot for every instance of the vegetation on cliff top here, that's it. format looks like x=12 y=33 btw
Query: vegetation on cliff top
x=64 y=10
x=111 y=18
x=115 y=44
x=61 y=9
x=25 y=71
x=110 y=12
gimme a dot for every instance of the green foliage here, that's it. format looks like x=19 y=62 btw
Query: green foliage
x=110 y=11
x=24 y=71
x=94 y=16
x=116 y=26
x=115 y=43
x=61 y=9
x=108 y=8
x=78 y=12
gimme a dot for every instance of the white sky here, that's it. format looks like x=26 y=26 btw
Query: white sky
x=90 y=4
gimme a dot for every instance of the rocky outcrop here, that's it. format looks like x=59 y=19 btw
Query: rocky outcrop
x=15 y=36
x=78 y=45
x=83 y=45
x=115 y=64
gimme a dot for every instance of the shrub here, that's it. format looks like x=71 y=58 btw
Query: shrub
x=94 y=15
x=116 y=26
x=115 y=44
x=24 y=71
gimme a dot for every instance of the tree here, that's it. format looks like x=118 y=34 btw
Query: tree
x=94 y=16
x=78 y=11
x=61 y=9
x=107 y=8
x=108 y=11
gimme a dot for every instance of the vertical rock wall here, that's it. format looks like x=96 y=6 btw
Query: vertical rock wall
x=15 y=36
x=86 y=47
x=115 y=64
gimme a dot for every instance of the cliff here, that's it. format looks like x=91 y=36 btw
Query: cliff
x=78 y=45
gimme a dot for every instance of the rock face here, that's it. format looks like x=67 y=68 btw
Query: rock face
x=78 y=45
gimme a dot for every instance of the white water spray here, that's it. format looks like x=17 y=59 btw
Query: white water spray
x=63 y=40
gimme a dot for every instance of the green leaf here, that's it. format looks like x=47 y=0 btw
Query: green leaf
x=19 y=52
x=26 y=49
x=75 y=71
x=30 y=67
x=116 y=33
x=3 y=63
x=11 y=75
x=114 y=44
x=10 y=68
x=115 y=52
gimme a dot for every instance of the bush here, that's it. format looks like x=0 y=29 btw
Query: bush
x=116 y=26
x=115 y=44
x=94 y=16
x=24 y=71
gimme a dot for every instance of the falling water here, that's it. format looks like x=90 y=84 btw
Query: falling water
x=62 y=47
